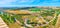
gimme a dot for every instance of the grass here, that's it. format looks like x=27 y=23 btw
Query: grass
x=10 y=20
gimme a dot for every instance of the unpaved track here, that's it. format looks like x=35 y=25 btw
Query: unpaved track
x=3 y=24
x=58 y=22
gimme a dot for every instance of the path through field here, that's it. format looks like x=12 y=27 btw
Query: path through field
x=3 y=24
x=58 y=22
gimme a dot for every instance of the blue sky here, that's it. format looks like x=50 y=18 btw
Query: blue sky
x=25 y=3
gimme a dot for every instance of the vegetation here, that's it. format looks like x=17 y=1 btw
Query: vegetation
x=44 y=18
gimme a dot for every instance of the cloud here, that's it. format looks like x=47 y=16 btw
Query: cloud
x=15 y=2
x=25 y=1
x=28 y=2
x=7 y=1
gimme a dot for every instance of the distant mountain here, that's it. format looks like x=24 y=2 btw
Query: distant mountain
x=15 y=8
x=23 y=8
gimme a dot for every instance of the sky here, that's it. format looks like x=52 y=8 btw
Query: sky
x=28 y=3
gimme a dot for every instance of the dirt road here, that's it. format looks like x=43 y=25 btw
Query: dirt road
x=3 y=24
x=58 y=22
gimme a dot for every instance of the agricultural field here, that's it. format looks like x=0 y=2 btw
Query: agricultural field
x=31 y=17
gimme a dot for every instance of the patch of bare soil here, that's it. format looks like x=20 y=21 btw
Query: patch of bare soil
x=14 y=25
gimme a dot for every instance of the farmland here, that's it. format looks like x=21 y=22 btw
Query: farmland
x=31 y=17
